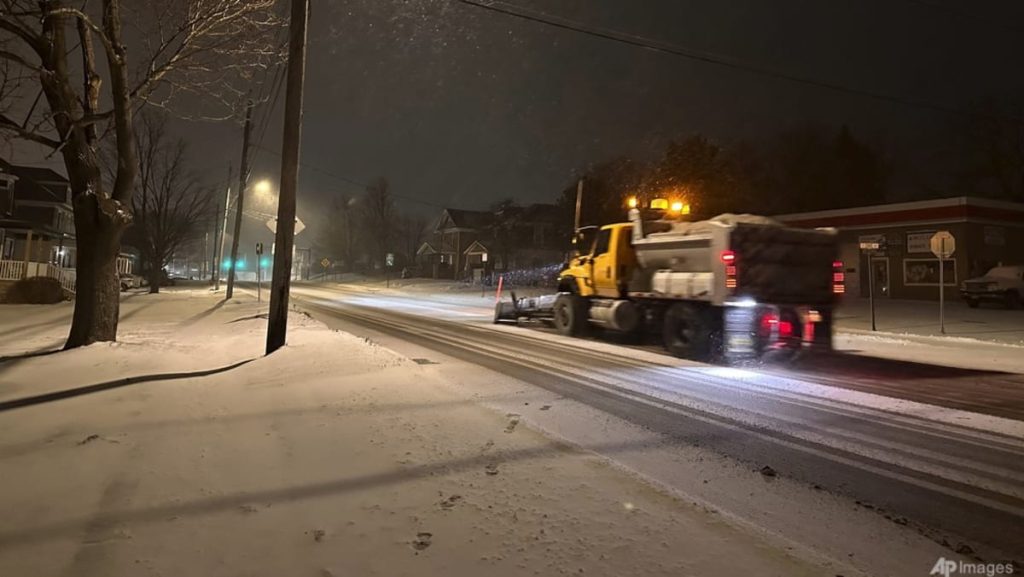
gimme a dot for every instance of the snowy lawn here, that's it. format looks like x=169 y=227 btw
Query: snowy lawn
x=921 y=318
x=163 y=455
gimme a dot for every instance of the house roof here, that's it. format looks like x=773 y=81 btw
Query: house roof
x=459 y=218
x=481 y=220
x=36 y=183
x=426 y=248
x=476 y=248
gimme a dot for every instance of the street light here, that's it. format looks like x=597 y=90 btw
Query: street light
x=262 y=187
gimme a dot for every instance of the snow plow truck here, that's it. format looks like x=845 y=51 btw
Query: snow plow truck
x=734 y=286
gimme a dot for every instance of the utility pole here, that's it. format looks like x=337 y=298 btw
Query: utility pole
x=242 y=177
x=277 y=319
x=219 y=245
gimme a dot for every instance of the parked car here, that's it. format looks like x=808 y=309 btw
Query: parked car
x=1004 y=284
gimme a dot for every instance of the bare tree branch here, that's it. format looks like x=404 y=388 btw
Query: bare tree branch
x=9 y=125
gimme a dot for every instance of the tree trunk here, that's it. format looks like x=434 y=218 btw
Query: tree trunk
x=97 y=288
x=155 y=277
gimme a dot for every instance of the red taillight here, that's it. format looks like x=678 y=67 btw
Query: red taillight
x=838 y=278
x=772 y=321
x=785 y=329
x=729 y=258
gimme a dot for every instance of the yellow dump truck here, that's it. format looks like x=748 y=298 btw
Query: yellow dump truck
x=732 y=286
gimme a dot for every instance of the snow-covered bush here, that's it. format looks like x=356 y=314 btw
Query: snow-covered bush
x=37 y=290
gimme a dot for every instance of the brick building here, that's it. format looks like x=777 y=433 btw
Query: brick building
x=987 y=233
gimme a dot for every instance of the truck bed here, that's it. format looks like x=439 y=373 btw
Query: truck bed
x=784 y=265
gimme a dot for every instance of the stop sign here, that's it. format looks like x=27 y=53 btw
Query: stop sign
x=943 y=244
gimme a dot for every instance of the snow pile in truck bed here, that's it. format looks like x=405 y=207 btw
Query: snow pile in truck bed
x=706 y=226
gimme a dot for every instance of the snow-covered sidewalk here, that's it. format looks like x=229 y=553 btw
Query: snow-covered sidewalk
x=913 y=319
x=163 y=455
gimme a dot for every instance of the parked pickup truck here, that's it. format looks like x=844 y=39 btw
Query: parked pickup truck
x=1003 y=284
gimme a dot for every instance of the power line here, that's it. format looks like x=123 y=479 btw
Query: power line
x=637 y=41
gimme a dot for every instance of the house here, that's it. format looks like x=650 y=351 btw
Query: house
x=36 y=219
x=469 y=244
x=986 y=233
x=37 y=230
x=442 y=256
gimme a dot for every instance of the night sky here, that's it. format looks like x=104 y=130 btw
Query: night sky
x=458 y=106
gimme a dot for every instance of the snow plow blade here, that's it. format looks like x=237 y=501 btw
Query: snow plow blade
x=526 y=307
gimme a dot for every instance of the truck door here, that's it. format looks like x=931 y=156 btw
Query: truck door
x=602 y=265
x=614 y=262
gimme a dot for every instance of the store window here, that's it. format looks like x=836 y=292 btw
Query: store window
x=925 y=272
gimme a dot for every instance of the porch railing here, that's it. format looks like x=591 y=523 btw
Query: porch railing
x=12 y=269
x=19 y=269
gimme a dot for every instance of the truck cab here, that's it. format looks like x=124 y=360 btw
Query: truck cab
x=604 y=271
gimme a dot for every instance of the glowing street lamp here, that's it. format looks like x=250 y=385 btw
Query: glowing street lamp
x=262 y=187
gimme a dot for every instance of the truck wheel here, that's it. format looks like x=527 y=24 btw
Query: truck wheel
x=686 y=332
x=570 y=315
x=973 y=303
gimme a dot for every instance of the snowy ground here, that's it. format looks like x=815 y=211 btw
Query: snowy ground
x=563 y=385
x=163 y=455
x=921 y=318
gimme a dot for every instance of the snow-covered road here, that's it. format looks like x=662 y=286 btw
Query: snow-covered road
x=951 y=475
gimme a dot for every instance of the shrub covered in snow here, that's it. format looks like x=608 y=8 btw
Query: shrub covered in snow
x=38 y=290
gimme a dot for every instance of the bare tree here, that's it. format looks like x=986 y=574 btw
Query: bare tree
x=379 y=219
x=337 y=237
x=411 y=234
x=169 y=206
x=53 y=74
